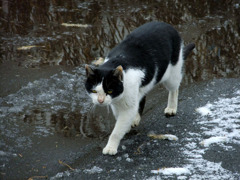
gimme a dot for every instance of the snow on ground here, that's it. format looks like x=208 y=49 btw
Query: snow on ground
x=220 y=124
x=204 y=110
x=3 y=153
x=211 y=140
x=171 y=171
x=93 y=170
x=223 y=119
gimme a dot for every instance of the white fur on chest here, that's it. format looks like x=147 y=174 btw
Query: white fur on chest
x=132 y=87
x=131 y=83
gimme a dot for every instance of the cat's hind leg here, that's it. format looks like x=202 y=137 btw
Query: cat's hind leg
x=171 y=108
x=172 y=83
x=137 y=119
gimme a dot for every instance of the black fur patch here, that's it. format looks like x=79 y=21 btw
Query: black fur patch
x=150 y=47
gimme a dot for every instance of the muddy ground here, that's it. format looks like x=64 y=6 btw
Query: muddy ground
x=48 y=128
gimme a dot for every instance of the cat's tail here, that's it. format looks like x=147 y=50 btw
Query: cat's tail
x=187 y=49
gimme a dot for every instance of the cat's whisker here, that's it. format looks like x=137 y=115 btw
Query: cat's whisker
x=91 y=110
x=108 y=111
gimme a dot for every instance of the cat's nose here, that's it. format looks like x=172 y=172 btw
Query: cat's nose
x=100 y=99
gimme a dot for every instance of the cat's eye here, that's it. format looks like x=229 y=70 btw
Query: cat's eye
x=94 y=91
x=109 y=92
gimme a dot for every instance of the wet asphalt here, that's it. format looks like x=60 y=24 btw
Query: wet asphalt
x=138 y=154
x=146 y=154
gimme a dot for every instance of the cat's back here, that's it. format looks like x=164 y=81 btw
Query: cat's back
x=150 y=48
x=152 y=30
x=149 y=41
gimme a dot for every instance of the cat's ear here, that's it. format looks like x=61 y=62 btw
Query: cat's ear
x=119 y=72
x=89 y=70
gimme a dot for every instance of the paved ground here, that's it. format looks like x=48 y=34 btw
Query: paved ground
x=138 y=154
x=32 y=149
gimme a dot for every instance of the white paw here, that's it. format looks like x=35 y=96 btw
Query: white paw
x=136 y=120
x=170 y=111
x=110 y=150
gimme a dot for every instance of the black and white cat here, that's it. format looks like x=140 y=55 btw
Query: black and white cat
x=151 y=54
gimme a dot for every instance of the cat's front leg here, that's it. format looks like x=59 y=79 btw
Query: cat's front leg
x=122 y=126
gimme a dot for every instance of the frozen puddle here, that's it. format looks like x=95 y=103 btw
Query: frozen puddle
x=29 y=113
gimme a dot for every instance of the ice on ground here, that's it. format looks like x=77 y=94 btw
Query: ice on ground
x=93 y=170
x=171 y=171
x=213 y=140
x=37 y=102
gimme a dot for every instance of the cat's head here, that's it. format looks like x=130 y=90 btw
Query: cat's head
x=104 y=85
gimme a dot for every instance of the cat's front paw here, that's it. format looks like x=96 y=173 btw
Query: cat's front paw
x=136 y=120
x=170 y=112
x=109 y=150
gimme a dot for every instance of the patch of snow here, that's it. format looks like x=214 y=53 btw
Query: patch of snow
x=220 y=122
x=119 y=158
x=124 y=147
x=2 y=153
x=93 y=170
x=129 y=160
x=169 y=125
x=204 y=111
x=59 y=175
x=63 y=175
x=212 y=140
x=182 y=177
x=171 y=137
x=171 y=171
x=126 y=155
x=224 y=119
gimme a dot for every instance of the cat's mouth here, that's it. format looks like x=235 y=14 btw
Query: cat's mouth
x=102 y=104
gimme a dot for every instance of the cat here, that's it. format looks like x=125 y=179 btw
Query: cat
x=153 y=53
